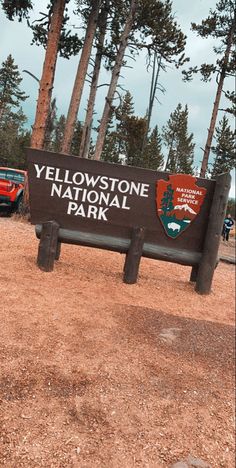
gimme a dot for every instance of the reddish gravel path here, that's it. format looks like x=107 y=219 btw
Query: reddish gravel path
x=96 y=373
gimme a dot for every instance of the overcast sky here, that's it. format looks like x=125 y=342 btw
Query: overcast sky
x=15 y=39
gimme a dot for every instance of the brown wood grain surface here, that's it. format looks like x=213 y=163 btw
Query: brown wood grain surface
x=120 y=222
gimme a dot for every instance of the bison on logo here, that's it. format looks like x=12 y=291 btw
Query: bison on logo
x=179 y=201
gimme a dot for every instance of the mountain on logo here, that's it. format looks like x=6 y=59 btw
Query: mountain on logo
x=184 y=212
x=185 y=208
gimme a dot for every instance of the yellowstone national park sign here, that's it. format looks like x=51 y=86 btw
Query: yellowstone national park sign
x=120 y=208
x=81 y=194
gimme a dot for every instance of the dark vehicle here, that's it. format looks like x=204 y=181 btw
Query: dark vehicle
x=12 y=183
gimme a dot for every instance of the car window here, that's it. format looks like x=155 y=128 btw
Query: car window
x=14 y=176
x=2 y=174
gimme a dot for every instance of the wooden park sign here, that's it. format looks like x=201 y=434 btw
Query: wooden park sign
x=137 y=212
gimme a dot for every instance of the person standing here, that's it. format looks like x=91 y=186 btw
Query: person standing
x=228 y=225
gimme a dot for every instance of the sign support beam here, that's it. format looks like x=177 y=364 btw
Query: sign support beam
x=212 y=239
x=133 y=256
x=48 y=246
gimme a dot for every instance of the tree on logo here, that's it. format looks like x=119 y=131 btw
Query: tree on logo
x=167 y=201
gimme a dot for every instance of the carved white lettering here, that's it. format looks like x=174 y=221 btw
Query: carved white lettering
x=144 y=190
x=39 y=170
x=50 y=173
x=56 y=190
x=57 y=173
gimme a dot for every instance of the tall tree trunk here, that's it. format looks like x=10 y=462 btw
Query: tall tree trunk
x=216 y=104
x=50 y=124
x=45 y=89
x=169 y=154
x=154 y=82
x=80 y=78
x=114 y=80
x=86 y=135
x=155 y=76
x=46 y=82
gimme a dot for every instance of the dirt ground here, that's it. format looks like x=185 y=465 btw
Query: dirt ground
x=96 y=373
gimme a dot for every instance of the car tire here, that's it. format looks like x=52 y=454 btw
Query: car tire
x=20 y=206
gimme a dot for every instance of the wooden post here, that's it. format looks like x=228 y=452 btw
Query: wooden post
x=48 y=246
x=194 y=272
x=212 y=240
x=133 y=256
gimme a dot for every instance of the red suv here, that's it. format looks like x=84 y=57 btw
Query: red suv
x=12 y=187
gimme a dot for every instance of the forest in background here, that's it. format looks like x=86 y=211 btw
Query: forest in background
x=113 y=33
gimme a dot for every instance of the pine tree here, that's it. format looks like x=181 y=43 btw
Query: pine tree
x=68 y=44
x=164 y=42
x=111 y=21
x=171 y=163
x=114 y=78
x=13 y=138
x=87 y=128
x=124 y=142
x=58 y=134
x=19 y=9
x=50 y=31
x=50 y=125
x=118 y=137
x=153 y=157
x=150 y=25
x=170 y=132
x=224 y=150
x=47 y=78
x=76 y=140
x=110 y=152
x=19 y=154
x=156 y=21
x=123 y=113
x=10 y=80
x=135 y=128
x=179 y=144
x=156 y=69
x=80 y=76
x=231 y=96
x=167 y=200
x=185 y=145
x=219 y=25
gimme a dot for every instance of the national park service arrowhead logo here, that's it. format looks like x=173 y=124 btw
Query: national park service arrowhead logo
x=179 y=201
